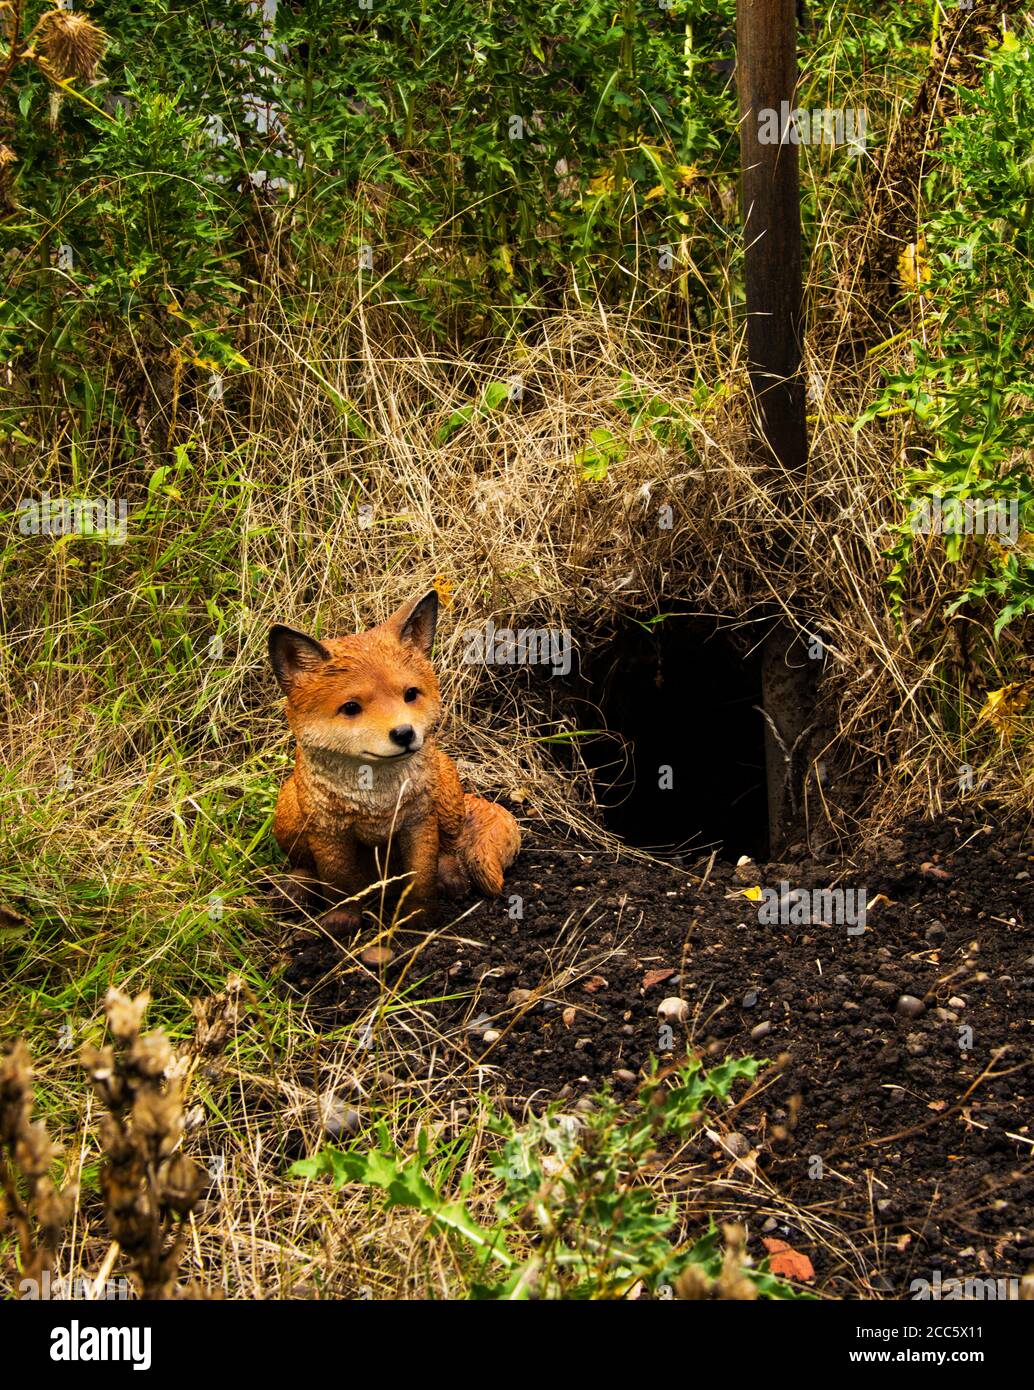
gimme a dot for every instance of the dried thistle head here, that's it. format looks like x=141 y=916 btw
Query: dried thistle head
x=35 y=1208
x=732 y=1282
x=217 y=1018
x=71 y=44
x=125 y=1015
x=695 y=1283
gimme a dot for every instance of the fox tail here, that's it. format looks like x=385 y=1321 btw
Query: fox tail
x=488 y=843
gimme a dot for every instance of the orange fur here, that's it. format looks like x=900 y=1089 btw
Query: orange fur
x=368 y=775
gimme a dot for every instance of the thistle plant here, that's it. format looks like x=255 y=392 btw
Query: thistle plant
x=30 y=1202
x=148 y=1186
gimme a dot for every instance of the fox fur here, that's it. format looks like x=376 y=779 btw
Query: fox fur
x=368 y=774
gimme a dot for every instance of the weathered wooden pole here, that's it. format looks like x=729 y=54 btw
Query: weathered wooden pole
x=766 y=68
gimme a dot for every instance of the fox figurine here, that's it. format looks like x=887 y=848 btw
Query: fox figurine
x=368 y=775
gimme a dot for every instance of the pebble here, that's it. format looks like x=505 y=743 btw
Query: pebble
x=491 y=1035
x=956 y=1003
x=761 y=1030
x=908 y=1006
x=673 y=1010
x=517 y=997
x=623 y=1074
x=336 y=1119
x=750 y=998
x=737 y=1144
x=376 y=956
x=935 y=932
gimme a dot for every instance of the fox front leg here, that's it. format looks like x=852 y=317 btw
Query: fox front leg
x=419 y=846
x=339 y=868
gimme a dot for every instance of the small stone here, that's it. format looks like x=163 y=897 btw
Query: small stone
x=737 y=1144
x=335 y=1118
x=915 y=1044
x=935 y=933
x=623 y=1074
x=673 y=1010
x=490 y=1035
x=908 y=1006
x=376 y=956
x=750 y=998
x=946 y=1015
x=746 y=871
x=584 y=1044
x=761 y=1030
x=518 y=997
x=956 y=1003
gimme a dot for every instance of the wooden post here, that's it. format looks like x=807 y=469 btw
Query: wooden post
x=766 y=67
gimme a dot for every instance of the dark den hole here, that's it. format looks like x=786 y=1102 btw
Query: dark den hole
x=683 y=770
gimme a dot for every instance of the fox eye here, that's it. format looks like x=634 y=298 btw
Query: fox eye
x=351 y=708
x=410 y=695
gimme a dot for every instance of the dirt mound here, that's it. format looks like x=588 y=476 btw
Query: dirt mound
x=890 y=1139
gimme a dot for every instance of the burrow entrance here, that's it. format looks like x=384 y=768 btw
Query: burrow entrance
x=681 y=768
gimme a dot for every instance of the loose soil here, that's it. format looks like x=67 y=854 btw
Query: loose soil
x=886 y=1140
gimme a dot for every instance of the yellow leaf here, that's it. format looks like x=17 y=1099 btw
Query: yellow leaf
x=913 y=267
x=754 y=894
x=444 y=589
x=1003 y=707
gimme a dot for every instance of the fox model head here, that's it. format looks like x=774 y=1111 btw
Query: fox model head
x=372 y=697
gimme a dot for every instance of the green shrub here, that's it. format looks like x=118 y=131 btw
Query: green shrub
x=576 y=1186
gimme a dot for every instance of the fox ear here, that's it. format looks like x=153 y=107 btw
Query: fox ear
x=416 y=622
x=291 y=653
